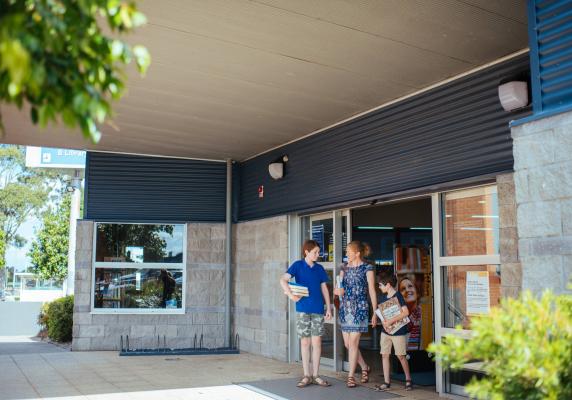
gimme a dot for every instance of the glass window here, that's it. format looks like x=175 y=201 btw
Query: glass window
x=323 y=233
x=139 y=243
x=469 y=290
x=139 y=267
x=138 y=288
x=471 y=222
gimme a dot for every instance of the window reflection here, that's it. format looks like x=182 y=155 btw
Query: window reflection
x=139 y=243
x=138 y=288
x=469 y=290
x=471 y=222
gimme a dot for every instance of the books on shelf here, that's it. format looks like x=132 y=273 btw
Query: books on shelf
x=390 y=309
x=298 y=290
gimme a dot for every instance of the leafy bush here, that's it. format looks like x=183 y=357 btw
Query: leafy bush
x=526 y=348
x=56 y=318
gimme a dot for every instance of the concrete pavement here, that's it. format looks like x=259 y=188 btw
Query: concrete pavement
x=106 y=376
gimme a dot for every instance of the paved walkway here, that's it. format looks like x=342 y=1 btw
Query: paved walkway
x=25 y=345
x=59 y=374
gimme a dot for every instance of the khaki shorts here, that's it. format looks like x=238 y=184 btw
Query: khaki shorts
x=399 y=344
x=310 y=325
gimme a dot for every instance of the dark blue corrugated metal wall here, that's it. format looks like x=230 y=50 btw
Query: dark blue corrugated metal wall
x=453 y=132
x=140 y=189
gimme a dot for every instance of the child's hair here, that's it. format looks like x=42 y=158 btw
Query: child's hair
x=386 y=277
x=308 y=246
x=364 y=249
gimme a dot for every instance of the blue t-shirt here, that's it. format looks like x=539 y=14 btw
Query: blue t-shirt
x=404 y=330
x=311 y=277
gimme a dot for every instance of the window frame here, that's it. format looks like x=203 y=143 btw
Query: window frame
x=131 y=265
x=441 y=260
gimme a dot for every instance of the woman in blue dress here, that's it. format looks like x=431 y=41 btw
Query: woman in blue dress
x=357 y=279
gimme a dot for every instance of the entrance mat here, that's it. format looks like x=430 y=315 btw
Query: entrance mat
x=418 y=378
x=285 y=389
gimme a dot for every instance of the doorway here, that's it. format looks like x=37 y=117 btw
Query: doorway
x=400 y=235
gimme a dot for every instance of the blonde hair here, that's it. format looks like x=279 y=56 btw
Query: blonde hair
x=362 y=248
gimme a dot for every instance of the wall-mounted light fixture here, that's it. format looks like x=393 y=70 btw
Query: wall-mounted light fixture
x=513 y=95
x=276 y=168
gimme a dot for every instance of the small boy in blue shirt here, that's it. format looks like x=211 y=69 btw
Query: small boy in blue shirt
x=310 y=309
x=398 y=339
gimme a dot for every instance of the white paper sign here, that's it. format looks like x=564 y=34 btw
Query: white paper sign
x=478 y=293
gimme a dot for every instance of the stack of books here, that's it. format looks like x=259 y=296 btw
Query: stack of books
x=298 y=290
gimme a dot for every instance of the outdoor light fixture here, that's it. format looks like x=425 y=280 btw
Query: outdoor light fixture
x=276 y=168
x=513 y=95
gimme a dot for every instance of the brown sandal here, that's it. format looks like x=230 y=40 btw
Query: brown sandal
x=321 y=382
x=305 y=381
x=365 y=374
x=351 y=382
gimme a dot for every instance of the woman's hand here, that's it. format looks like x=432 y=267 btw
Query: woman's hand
x=328 y=315
x=374 y=320
x=339 y=292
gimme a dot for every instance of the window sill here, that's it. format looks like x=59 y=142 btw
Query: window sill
x=112 y=311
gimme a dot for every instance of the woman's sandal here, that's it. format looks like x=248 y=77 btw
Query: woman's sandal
x=351 y=382
x=408 y=385
x=365 y=374
x=321 y=382
x=305 y=381
x=382 y=387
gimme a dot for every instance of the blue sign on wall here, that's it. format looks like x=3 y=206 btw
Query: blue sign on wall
x=47 y=157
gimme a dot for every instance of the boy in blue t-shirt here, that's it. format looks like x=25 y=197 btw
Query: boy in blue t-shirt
x=387 y=284
x=310 y=322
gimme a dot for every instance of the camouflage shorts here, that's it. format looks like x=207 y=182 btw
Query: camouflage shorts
x=310 y=325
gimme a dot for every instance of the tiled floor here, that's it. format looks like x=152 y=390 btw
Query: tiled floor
x=106 y=376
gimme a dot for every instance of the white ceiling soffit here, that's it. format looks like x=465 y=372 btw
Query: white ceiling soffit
x=231 y=79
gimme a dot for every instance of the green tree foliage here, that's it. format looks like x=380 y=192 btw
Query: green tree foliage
x=49 y=251
x=55 y=56
x=525 y=346
x=23 y=192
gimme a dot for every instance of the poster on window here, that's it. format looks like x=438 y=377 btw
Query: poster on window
x=413 y=269
x=478 y=293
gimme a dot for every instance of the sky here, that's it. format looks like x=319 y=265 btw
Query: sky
x=17 y=257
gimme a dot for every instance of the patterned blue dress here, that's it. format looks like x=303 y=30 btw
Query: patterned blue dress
x=354 y=307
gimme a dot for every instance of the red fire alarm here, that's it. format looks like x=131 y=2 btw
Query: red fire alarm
x=260 y=191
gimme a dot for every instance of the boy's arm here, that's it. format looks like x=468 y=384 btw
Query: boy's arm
x=284 y=283
x=326 y=294
x=404 y=313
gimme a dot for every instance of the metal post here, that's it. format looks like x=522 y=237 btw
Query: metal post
x=228 y=252
x=74 y=215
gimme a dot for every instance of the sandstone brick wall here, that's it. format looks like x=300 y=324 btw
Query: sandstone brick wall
x=543 y=189
x=259 y=307
x=204 y=313
x=511 y=269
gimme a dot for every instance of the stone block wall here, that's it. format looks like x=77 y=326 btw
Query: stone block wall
x=204 y=312
x=543 y=189
x=260 y=257
x=511 y=269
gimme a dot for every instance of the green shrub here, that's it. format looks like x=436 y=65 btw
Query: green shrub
x=57 y=318
x=525 y=345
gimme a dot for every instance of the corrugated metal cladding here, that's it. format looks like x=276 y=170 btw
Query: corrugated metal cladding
x=550 y=35
x=453 y=132
x=140 y=189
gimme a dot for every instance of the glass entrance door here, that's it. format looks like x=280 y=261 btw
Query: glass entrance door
x=468 y=272
x=331 y=233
